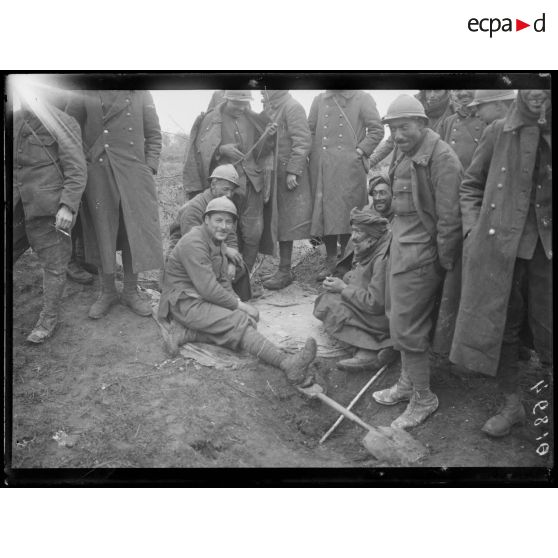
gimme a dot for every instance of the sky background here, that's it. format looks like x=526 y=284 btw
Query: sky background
x=178 y=109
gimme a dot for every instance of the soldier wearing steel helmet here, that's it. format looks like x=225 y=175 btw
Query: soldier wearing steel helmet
x=223 y=182
x=199 y=304
x=425 y=175
x=492 y=104
x=231 y=133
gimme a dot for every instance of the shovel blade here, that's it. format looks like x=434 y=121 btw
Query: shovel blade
x=393 y=445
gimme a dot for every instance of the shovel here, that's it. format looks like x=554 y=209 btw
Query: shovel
x=384 y=443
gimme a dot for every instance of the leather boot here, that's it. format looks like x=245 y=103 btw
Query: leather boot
x=511 y=413
x=177 y=335
x=130 y=296
x=362 y=360
x=295 y=366
x=78 y=274
x=401 y=391
x=281 y=279
x=422 y=404
x=108 y=297
x=53 y=288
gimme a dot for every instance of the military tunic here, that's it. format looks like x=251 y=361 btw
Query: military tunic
x=197 y=291
x=426 y=238
x=357 y=314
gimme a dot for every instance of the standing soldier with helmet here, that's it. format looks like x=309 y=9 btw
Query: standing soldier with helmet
x=506 y=202
x=425 y=175
x=492 y=104
x=231 y=133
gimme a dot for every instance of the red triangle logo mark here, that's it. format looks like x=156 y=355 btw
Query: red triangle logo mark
x=519 y=25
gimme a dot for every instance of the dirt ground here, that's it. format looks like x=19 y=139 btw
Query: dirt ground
x=103 y=394
x=109 y=395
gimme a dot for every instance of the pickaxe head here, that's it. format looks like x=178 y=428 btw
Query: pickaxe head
x=312 y=391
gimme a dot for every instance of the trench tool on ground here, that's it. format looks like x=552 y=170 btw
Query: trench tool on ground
x=385 y=443
x=353 y=402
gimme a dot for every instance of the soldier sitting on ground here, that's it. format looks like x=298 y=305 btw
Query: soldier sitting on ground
x=199 y=302
x=353 y=308
x=224 y=181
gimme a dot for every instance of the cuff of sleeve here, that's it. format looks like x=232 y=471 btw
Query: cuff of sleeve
x=292 y=169
x=73 y=207
x=153 y=164
x=364 y=148
x=348 y=292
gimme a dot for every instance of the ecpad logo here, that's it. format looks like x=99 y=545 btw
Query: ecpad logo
x=494 y=24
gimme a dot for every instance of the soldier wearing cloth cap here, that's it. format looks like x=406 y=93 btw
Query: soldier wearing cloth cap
x=224 y=181
x=200 y=304
x=353 y=308
x=228 y=134
x=506 y=202
x=122 y=141
x=425 y=174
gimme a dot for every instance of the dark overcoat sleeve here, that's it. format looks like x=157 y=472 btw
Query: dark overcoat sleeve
x=301 y=139
x=313 y=115
x=374 y=129
x=72 y=161
x=471 y=192
x=446 y=174
x=152 y=133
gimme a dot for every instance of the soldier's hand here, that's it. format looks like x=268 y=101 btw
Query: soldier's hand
x=272 y=128
x=252 y=311
x=64 y=218
x=231 y=151
x=231 y=270
x=291 y=181
x=334 y=284
x=234 y=255
x=360 y=152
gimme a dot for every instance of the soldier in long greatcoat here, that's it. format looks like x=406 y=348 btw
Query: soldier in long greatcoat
x=291 y=197
x=345 y=127
x=506 y=203
x=122 y=141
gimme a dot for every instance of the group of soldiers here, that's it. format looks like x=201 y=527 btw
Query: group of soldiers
x=452 y=255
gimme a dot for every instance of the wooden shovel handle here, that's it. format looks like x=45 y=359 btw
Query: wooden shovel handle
x=340 y=409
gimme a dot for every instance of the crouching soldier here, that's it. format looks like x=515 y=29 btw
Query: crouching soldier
x=353 y=308
x=50 y=174
x=224 y=180
x=426 y=238
x=199 y=302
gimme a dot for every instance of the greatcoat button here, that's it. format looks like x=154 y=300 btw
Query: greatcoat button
x=106 y=131
x=537 y=205
x=131 y=143
x=130 y=129
x=491 y=232
x=106 y=145
x=324 y=147
x=452 y=141
x=539 y=186
x=493 y=206
x=500 y=186
x=503 y=169
x=100 y=159
x=128 y=114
